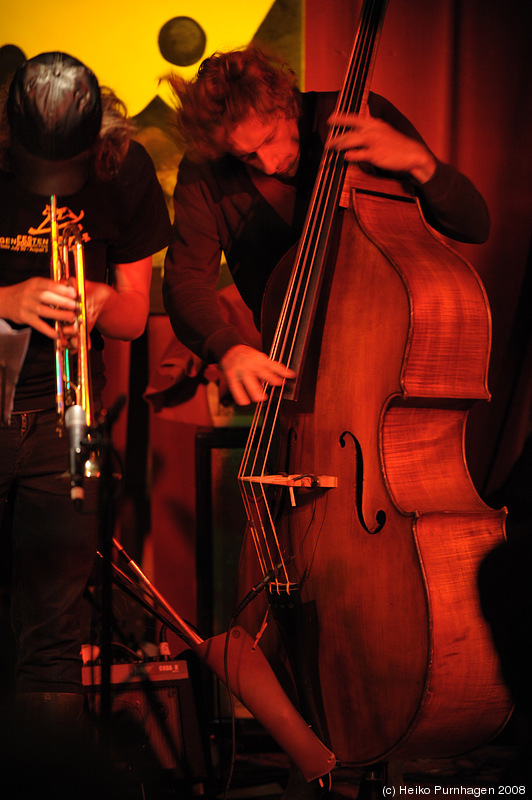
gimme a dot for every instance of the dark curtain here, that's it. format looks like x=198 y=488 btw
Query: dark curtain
x=461 y=72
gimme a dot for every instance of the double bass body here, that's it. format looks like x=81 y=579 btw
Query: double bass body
x=396 y=655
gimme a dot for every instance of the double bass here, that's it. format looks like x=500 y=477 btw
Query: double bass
x=362 y=515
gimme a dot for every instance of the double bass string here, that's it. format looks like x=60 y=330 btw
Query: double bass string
x=312 y=250
x=299 y=301
x=291 y=314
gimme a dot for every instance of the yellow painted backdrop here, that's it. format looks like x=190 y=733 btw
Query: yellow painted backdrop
x=119 y=42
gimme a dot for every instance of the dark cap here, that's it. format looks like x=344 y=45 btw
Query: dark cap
x=54 y=112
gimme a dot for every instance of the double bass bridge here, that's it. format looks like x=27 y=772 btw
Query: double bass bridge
x=291 y=482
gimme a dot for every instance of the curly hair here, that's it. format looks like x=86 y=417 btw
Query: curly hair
x=228 y=88
x=110 y=147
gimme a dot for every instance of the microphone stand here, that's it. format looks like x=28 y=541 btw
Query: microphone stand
x=238 y=662
x=101 y=439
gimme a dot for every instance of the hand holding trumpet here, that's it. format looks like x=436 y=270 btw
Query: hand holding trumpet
x=36 y=300
x=39 y=302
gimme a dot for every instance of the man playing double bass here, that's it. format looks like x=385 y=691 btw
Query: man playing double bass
x=353 y=629
x=253 y=147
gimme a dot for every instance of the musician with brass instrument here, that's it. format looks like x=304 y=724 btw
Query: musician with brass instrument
x=70 y=175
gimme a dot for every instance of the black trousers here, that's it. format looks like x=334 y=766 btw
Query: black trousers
x=53 y=552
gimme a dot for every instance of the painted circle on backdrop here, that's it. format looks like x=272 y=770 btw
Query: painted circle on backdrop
x=182 y=41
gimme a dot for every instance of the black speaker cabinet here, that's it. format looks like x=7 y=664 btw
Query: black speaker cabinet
x=153 y=724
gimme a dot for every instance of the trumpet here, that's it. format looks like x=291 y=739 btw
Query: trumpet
x=72 y=367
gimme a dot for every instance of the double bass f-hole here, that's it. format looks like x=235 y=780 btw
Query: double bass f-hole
x=380 y=516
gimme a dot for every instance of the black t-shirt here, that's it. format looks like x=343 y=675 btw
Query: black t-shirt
x=122 y=220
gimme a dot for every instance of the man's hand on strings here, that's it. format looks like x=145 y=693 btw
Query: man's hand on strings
x=247 y=370
x=374 y=141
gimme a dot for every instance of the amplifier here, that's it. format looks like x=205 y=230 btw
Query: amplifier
x=153 y=723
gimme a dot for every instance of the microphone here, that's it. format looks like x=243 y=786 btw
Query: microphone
x=257 y=589
x=76 y=425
